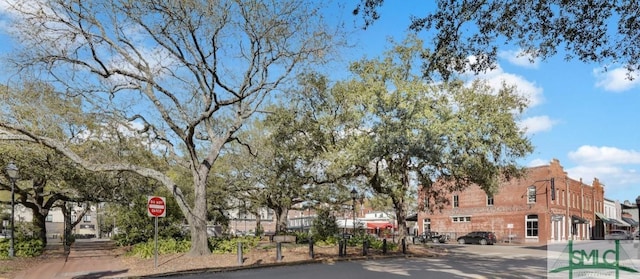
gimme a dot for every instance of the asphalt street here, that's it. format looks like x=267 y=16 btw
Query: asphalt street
x=462 y=261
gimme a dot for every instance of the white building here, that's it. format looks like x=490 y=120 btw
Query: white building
x=612 y=216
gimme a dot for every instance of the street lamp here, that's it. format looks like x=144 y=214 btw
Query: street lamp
x=12 y=172
x=354 y=196
x=638 y=231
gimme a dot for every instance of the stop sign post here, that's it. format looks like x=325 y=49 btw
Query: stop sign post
x=156 y=206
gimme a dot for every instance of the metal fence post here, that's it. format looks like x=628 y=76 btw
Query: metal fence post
x=404 y=246
x=384 y=246
x=240 y=258
x=279 y=251
x=365 y=247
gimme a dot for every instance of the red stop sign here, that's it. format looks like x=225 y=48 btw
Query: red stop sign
x=156 y=206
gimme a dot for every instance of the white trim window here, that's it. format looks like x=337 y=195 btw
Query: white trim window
x=531 y=223
x=426 y=225
x=461 y=219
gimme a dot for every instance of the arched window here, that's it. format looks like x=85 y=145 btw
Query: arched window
x=532 y=225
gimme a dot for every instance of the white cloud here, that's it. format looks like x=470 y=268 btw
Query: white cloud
x=537 y=162
x=588 y=154
x=537 y=124
x=620 y=182
x=519 y=58
x=524 y=88
x=615 y=80
x=614 y=167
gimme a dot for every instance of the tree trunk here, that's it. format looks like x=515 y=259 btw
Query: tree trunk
x=281 y=224
x=197 y=219
x=258 y=230
x=39 y=221
x=39 y=209
x=401 y=216
x=66 y=235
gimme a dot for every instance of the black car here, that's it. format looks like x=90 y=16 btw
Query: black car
x=482 y=238
x=432 y=237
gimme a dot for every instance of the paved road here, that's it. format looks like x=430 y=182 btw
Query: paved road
x=463 y=261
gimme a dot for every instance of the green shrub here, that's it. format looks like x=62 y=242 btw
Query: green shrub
x=224 y=245
x=146 y=250
x=329 y=241
x=324 y=225
x=302 y=237
x=377 y=244
x=218 y=245
x=23 y=247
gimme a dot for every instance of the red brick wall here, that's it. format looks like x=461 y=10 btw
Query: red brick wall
x=511 y=206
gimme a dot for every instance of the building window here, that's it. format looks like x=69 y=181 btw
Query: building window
x=426 y=225
x=461 y=219
x=532 y=225
x=489 y=200
x=426 y=203
x=531 y=194
x=87 y=218
x=456 y=201
x=49 y=218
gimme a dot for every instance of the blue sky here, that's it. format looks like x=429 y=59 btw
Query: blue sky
x=579 y=115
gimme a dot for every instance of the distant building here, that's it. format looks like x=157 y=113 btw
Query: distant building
x=244 y=222
x=87 y=228
x=611 y=219
x=630 y=214
x=544 y=206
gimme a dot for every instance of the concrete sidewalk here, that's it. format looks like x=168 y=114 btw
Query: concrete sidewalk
x=87 y=259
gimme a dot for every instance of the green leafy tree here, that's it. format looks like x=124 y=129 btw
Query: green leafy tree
x=135 y=226
x=415 y=134
x=187 y=73
x=324 y=225
x=301 y=141
x=603 y=32
x=47 y=178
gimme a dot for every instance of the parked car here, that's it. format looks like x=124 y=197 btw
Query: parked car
x=434 y=237
x=637 y=234
x=478 y=237
x=619 y=235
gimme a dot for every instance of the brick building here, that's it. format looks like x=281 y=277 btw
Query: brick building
x=543 y=206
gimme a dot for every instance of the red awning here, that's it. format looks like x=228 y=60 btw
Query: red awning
x=379 y=225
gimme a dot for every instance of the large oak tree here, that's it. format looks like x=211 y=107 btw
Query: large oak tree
x=406 y=133
x=190 y=73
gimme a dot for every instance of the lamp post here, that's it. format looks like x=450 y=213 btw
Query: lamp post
x=638 y=207
x=12 y=172
x=638 y=231
x=354 y=195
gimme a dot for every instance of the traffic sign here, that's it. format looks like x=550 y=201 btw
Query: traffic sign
x=156 y=206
